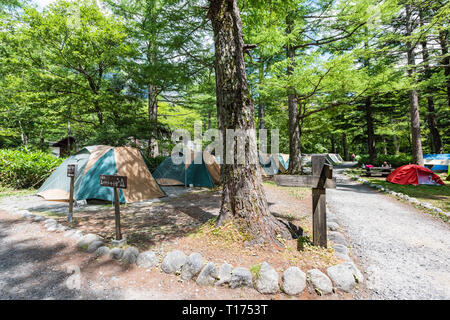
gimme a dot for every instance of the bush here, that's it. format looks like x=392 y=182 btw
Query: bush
x=394 y=160
x=153 y=163
x=23 y=168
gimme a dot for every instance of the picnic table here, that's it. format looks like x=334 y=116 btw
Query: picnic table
x=383 y=171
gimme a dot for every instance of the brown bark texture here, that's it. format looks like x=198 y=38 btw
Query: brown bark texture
x=153 y=120
x=416 y=141
x=436 y=143
x=295 y=164
x=371 y=144
x=243 y=196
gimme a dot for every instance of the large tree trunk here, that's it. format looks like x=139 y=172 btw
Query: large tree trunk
x=295 y=163
x=443 y=40
x=394 y=138
x=153 y=119
x=370 y=130
x=416 y=141
x=333 y=144
x=209 y=119
x=431 y=113
x=345 y=146
x=243 y=196
x=262 y=114
x=262 y=105
x=371 y=144
x=69 y=132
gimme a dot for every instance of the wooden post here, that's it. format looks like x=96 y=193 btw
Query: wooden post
x=319 y=202
x=69 y=218
x=115 y=182
x=319 y=181
x=117 y=213
x=71 y=169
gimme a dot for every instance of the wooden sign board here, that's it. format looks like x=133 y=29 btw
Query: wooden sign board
x=71 y=169
x=113 y=181
x=307 y=181
x=320 y=180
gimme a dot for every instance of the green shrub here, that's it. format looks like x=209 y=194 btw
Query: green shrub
x=153 y=163
x=394 y=160
x=23 y=168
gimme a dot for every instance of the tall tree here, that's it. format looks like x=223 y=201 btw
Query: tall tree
x=436 y=144
x=243 y=196
x=416 y=140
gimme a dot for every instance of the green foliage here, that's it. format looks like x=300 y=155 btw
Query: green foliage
x=438 y=196
x=23 y=168
x=394 y=160
x=99 y=65
x=256 y=270
x=153 y=162
x=7 y=191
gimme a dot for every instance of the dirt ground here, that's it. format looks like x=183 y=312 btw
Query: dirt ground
x=183 y=223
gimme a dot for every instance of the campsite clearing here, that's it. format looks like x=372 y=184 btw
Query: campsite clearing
x=180 y=222
x=6 y=192
x=438 y=196
x=184 y=222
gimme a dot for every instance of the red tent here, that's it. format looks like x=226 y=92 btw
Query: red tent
x=414 y=174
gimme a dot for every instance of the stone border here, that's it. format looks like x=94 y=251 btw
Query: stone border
x=398 y=195
x=262 y=277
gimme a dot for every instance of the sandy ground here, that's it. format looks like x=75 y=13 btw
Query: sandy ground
x=37 y=264
x=405 y=252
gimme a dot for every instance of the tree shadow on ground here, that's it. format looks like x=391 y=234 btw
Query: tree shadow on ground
x=28 y=269
x=148 y=226
x=355 y=188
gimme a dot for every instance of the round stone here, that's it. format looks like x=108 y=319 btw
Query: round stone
x=267 y=279
x=147 y=259
x=193 y=266
x=293 y=281
x=116 y=253
x=102 y=251
x=320 y=282
x=174 y=261
x=342 y=277
x=130 y=255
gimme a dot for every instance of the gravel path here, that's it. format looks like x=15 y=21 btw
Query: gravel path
x=405 y=253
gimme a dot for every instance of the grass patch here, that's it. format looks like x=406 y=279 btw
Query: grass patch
x=52 y=213
x=6 y=192
x=299 y=193
x=438 y=196
x=256 y=270
x=227 y=234
x=84 y=247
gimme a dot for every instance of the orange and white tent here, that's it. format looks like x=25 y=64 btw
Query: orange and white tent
x=94 y=161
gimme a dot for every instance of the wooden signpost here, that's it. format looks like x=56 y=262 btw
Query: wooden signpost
x=115 y=182
x=319 y=181
x=71 y=170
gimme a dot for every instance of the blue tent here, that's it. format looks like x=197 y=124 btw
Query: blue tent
x=441 y=156
x=201 y=170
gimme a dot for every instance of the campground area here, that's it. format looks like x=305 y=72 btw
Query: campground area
x=184 y=220
x=225 y=159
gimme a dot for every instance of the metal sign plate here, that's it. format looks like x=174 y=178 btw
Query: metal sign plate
x=113 y=181
x=71 y=169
